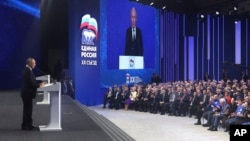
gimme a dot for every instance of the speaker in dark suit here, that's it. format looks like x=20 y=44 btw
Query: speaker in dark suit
x=134 y=42
x=28 y=92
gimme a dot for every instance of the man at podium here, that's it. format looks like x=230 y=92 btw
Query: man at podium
x=28 y=92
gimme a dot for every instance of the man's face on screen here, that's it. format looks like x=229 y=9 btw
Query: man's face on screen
x=133 y=17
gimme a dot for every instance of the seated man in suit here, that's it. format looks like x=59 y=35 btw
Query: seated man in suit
x=107 y=97
x=117 y=98
x=203 y=106
x=163 y=100
x=224 y=112
x=215 y=107
x=238 y=114
x=245 y=120
x=146 y=98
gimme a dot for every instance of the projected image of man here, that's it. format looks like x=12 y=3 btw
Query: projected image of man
x=134 y=44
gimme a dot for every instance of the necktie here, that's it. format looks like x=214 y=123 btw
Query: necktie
x=116 y=95
x=133 y=33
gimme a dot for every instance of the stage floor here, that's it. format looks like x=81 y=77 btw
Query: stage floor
x=155 y=127
x=77 y=125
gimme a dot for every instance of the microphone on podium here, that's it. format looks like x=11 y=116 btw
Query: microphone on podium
x=42 y=72
x=45 y=76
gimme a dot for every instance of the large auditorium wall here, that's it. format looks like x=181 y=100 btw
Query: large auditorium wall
x=84 y=49
x=213 y=45
x=19 y=39
x=94 y=64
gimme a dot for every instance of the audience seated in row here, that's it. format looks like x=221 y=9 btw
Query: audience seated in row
x=219 y=103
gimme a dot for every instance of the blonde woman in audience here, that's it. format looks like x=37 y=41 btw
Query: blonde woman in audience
x=138 y=98
x=133 y=93
x=132 y=96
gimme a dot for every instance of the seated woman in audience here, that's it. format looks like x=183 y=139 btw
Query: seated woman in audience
x=138 y=99
x=132 y=97
x=126 y=94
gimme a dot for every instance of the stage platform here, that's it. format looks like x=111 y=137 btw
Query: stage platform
x=79 y=123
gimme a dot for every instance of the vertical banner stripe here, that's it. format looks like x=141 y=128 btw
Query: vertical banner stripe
x=191 y=58
x=185 y=58
x=203 y=45
x=175 y=40
x=247 y=42
x=223 y=37
x=197 y=52
x=185 y=46
x=178 y=47
x=208 y=42
x=238 y=43
x=213 y=44
x=208 y=38
x=218 y=46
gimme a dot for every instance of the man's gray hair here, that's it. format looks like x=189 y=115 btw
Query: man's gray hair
x=29 y=60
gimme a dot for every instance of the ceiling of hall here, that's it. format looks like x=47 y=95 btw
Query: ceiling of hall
x=225 y=7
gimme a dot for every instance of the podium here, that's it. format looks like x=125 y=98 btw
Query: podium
x=54 y=91
x=46 y=96
x=45 y=78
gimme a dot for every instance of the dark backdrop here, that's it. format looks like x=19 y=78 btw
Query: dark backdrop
x=19 y=39
x=54 y=34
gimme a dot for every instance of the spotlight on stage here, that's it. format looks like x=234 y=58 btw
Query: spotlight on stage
x=217 y=13
x=201 y=17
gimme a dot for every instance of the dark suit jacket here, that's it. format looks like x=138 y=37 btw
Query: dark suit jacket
x=137 y=44
x=206 y=100
x=161 y=98
x=29 y=84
